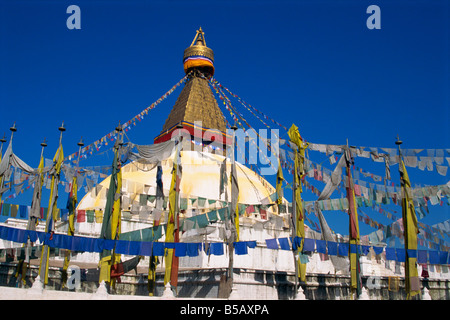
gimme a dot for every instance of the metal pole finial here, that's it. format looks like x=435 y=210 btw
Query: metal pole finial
x=13 y=128
x=119 y=127
x=2 y=140
x=44 y=143
x=80 y=143
x=398 y=142
x=61 y=129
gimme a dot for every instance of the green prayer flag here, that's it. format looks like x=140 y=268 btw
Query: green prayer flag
x=143 y=199
x=222 y=212
x=183 y=204
x=201 y=202
x=242 y=207
x=90 y=214
x=194 y=221
x=5 y=209
x=157 y=232
x=212 y=216
x=202 y=221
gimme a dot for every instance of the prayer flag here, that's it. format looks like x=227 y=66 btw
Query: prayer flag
x=279 y=186
x=111 y=220
x=354 y=237
x=52 y=211
x=171 y=272
x=235 y=200
x=410 y=231
x=298 y=217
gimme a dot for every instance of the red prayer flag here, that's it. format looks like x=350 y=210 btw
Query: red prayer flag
x=81 y=215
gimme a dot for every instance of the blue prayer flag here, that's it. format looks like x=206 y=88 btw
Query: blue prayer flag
x=343 y=249
x=180 y=249
x=390 y=254
x=158 y=248
x=251 y=244
x=32 y=234
x=284 y=243
x=434 y=257
x=240 y=248
x=411 y=253
x=422 y=256
x=66 y=242
x=321 y=246
x=108 y=244
x=3 y=232
x=443 y=257
x=170 y=245
x=99 y=244
x=122 y=246
x=41 y=236
x=332 y=248
x=192 y=249
x=271 y=244
x=401 y=255
x=23 y=213
x=365 y=249
x=217 y=248
x=308 y=245
x=377 y=250
x=134 y=248
x=146 y=248
x=296 y=243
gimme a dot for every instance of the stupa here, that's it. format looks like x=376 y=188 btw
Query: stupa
x=200 y=183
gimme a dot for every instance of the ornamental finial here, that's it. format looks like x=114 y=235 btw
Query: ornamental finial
x=199 y=56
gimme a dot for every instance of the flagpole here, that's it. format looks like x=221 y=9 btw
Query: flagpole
x=111 y=216
x=175 y=259
x=297 y=206
x=410 y=230
x=294 y=231
x=120 y=133
x=31 y=225
x=398 y=143
x=232 y=218
x=50 y=220
x=13 y=129
x=353 y=229
x=2 y=140
x=43 y=145
x=71 y=215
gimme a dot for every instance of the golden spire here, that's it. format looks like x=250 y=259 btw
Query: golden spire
x=196 y=101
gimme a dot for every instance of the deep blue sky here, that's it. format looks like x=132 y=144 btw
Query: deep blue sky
x=314 y=63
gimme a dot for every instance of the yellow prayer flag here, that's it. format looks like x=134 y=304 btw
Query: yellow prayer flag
x=410 y=229
x=294 y=135
x=170 y=224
